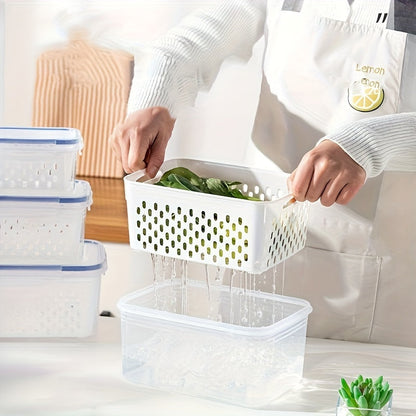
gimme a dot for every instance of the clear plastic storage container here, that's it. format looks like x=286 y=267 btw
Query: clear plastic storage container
x=245 y=235
x=52 y=301
x=233 y=345
x=44 y=229
x=37 y=158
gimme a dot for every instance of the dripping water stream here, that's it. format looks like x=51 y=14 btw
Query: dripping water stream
x=242 y=287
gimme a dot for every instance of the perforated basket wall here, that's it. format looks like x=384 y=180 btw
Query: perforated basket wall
x=245 y=235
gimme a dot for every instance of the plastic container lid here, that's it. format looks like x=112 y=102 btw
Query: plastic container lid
x=80 y=194
x=41 y=135
x=94 y=258
x=139 y=304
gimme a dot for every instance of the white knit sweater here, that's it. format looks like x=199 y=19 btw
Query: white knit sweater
x=187 y=59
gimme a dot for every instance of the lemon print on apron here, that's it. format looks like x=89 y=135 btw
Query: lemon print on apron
x=363 y=97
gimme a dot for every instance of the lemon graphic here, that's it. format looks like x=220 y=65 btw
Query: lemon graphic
x=364 y=98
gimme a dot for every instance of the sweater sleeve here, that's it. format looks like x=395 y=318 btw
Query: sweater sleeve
x=172 y=70
x=380 y=143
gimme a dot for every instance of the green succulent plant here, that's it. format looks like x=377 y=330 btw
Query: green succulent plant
x=365 y=397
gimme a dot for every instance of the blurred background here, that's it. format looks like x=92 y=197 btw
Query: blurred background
x=37 y=50
x=217 y=128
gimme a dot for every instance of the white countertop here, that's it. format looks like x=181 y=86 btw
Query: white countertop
x=80 y=377
x=75 y=377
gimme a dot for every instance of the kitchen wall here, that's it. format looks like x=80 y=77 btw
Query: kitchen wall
x=217 y=128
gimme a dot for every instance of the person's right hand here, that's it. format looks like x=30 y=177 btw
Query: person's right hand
x=327 y=173
x=140 y=141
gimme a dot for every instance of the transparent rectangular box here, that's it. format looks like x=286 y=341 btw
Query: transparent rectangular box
x=245 y=348
x=38 y=158
x=41 y=229
x=52 y=300
x=245 y=235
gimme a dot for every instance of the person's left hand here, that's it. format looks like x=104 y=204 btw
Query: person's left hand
x=326 y=173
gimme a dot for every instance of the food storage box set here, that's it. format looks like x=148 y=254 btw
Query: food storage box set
x=222 y=342
x=49 y=274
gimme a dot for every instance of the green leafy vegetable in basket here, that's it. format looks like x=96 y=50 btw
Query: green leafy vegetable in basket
x=183 y=178
x=365 y=397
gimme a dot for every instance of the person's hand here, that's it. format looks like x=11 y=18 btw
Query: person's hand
x=140 y=141
x=326 y=173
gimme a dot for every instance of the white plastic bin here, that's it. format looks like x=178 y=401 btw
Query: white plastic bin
x=44 y=229
x=245 y=235
x=241 y=347
x=37 y=158
x=52 y=301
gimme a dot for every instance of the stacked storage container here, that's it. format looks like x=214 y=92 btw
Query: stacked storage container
x=49 y=275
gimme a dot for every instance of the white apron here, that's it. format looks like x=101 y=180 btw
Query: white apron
x=359 y=267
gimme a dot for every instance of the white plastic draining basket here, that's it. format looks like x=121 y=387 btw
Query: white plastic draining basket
x=246 y=235
x=38 y=158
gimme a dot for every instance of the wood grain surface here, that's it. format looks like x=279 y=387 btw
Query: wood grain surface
x=107 y=218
